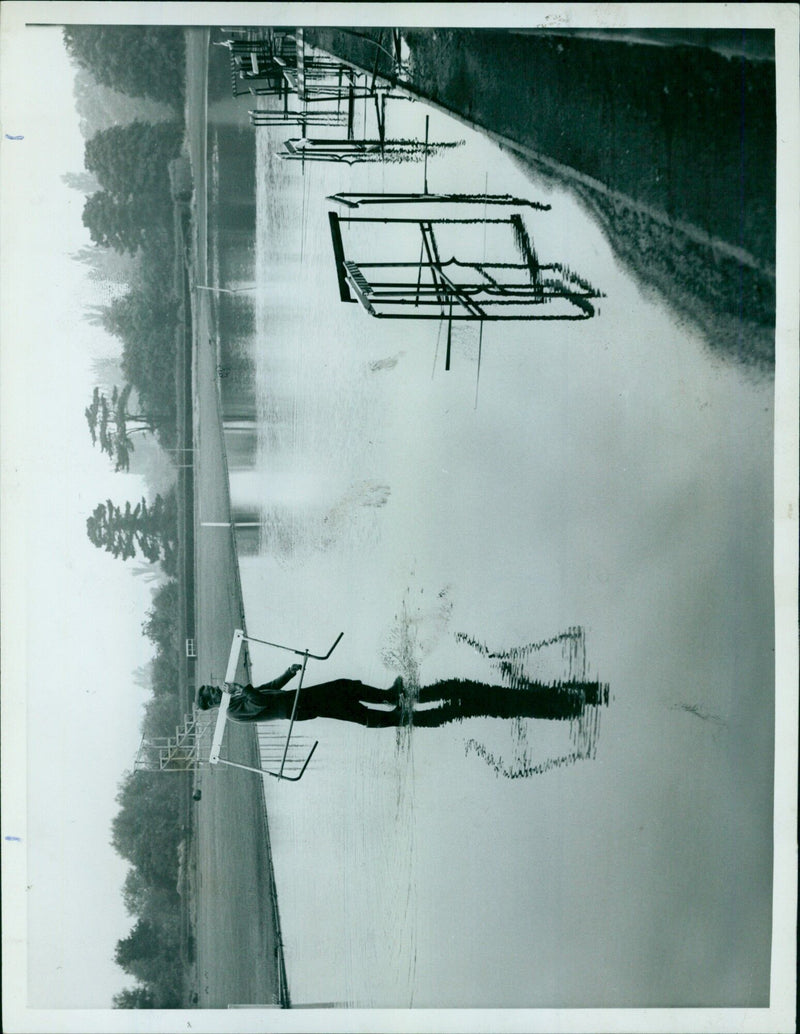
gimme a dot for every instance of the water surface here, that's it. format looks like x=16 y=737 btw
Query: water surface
x=605 y=483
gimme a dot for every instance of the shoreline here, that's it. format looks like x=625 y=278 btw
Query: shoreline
x=236 y=961
x=636 y=154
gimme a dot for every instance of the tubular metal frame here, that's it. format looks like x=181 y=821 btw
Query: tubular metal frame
x=239 y=637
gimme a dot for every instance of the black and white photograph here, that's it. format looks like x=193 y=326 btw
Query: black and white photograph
x=399 y=516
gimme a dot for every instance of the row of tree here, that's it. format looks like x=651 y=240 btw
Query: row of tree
x=130 y=216
x=147 y=832
x=131 y=165
x=138 y=60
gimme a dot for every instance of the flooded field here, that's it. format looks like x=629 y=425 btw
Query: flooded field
x=586 y=499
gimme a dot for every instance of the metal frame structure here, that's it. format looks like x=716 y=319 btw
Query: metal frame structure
x=314 y=78
x=178 y=753
x=321 y=94
x=458 y=289
x=259 y=117
x=215 y=757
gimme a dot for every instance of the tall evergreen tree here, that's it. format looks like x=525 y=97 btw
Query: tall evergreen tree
x=131 y=161
x=140 y=60
x=151 y=530
x=138 y=953
x=109 y=424
x=115 y=223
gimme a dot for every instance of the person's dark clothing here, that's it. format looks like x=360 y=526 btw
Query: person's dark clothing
x=340 y=699
x=346 y=700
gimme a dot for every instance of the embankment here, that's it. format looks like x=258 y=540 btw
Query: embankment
x=672 y=147
x=239 y=956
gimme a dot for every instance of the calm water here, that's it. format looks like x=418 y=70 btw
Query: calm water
x=595 y=498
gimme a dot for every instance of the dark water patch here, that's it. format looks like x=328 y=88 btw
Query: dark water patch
x=241 y=444
x=233 y=212
x=237 y=323
x=219 y=68
x=238 y=397
x=236 y=169
x=236 y=257
x=246 y=530
x=726 y=298
x=236 y=367
x=236 y=221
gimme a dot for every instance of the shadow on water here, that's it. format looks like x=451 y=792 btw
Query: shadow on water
x=236 y=368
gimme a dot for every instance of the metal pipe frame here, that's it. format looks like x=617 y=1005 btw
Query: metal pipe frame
x=356 y=200
x=239 y=637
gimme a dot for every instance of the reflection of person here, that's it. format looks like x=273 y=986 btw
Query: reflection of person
x=346 y=700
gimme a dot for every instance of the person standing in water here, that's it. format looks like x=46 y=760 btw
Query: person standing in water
x=347 y=700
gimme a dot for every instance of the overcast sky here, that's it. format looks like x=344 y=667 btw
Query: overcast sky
x=80 y=640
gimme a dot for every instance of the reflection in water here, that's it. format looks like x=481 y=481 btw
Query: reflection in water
x=584 y=722
x=456 y=699
x=543 y=679
x=348 y=700
x=604 y=457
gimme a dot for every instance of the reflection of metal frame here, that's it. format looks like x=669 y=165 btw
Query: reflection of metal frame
x=356 y=200
x=278 y=59
x=458 y=289
x=230 y=676
x=314 y=78
x=350 y=151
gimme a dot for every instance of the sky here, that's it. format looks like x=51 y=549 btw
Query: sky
x=78 y=638
x=71 y=641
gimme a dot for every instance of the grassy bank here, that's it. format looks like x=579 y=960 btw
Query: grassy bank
x=671 y=147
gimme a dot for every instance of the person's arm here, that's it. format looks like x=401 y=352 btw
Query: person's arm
x=281 y=680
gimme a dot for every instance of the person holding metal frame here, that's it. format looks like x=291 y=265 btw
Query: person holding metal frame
x=342 y=699
x=453 y=699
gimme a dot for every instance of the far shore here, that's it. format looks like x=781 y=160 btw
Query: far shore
x=238 y=953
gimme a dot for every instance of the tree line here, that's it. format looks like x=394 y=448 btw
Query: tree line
x=147 y=832
x=131 y=215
